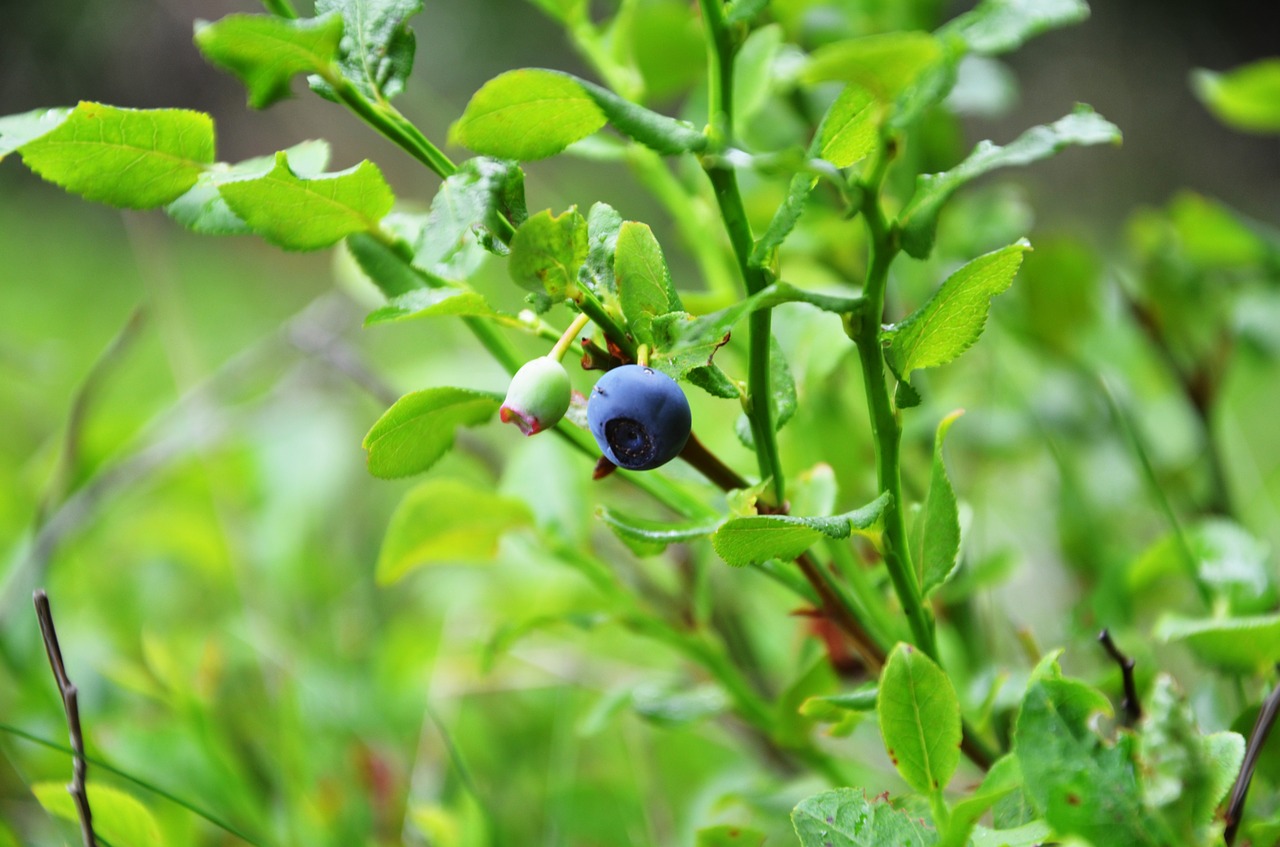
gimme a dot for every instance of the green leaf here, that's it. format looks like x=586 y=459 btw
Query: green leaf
x=644 y=283
x=954 y=317
x=846 y=818
x=390 y=271
x=548 y=251
x=920 y=217
x=835 y=706
x=1223 y=757
x=784 y=220
x=1214 y=236
x=884 y=65
x=132 y=158
x=1246 y=98
x=561 y=511
x=1232 y=563
x=1000 y=26
x=727 y=835
x=664 y=135
x=782 y=396
x=919 y=719
x=939 y=523
x=603 y=225
x=1185 y=774
x=1247 y=644
x=308 y=213
x=118 y=817
x=791 y=727
x=649 y=537
x=17 y=130
x=1082 y=786
x=202 y=208
x=265 y=51
x=527 y=114
x=1004 y=778
x=377 y=47
x=444 y=521
x=758 y=538
x=432 y=303
x=851 y=129
x=467 y=213
x=753 y=74
x=1033 y=834
x=419 y=428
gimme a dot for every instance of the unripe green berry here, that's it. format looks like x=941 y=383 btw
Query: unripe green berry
x=538 y=396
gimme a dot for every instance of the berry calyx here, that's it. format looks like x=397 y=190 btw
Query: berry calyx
x=538 y=396
x=640 y=418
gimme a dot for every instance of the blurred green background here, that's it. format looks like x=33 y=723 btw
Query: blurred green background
x=212 y=572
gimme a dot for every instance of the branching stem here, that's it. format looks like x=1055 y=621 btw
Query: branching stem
x=1130 y=706
x=71 y=705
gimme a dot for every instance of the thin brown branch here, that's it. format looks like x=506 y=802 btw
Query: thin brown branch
x=1257 y=739
x=1130 y=706
x=836 y=611
x=709 y=464
x=70 y=704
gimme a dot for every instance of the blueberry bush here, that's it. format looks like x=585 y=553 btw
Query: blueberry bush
x=726 y=579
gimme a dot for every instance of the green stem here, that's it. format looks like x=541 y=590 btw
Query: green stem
x=885 y=431
x=594 y=309
x=941 y=814
x=759 y=406
x=565 y=340
x=280 y=8
x=719 y=72
x=868 y=602
x=387 y=120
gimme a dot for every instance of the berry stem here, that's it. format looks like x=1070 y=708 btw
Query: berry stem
x=562 y=346
x=642 y=355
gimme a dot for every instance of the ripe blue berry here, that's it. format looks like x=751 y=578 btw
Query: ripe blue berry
x=639 y=417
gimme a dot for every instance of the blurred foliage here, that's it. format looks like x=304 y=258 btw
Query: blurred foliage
x=188 y=484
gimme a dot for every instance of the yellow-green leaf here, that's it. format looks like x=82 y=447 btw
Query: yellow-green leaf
x=953 y=318
x=132 y=158
x=299 y=213
x=527 y=114
x=265 y=51
x=1246 y=98
x=919 y=719
x=118 y=817
x=447 y=520
x=419 y=428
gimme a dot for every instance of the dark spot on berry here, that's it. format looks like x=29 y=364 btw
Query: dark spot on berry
x=1073 y=800
x=630 y=441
